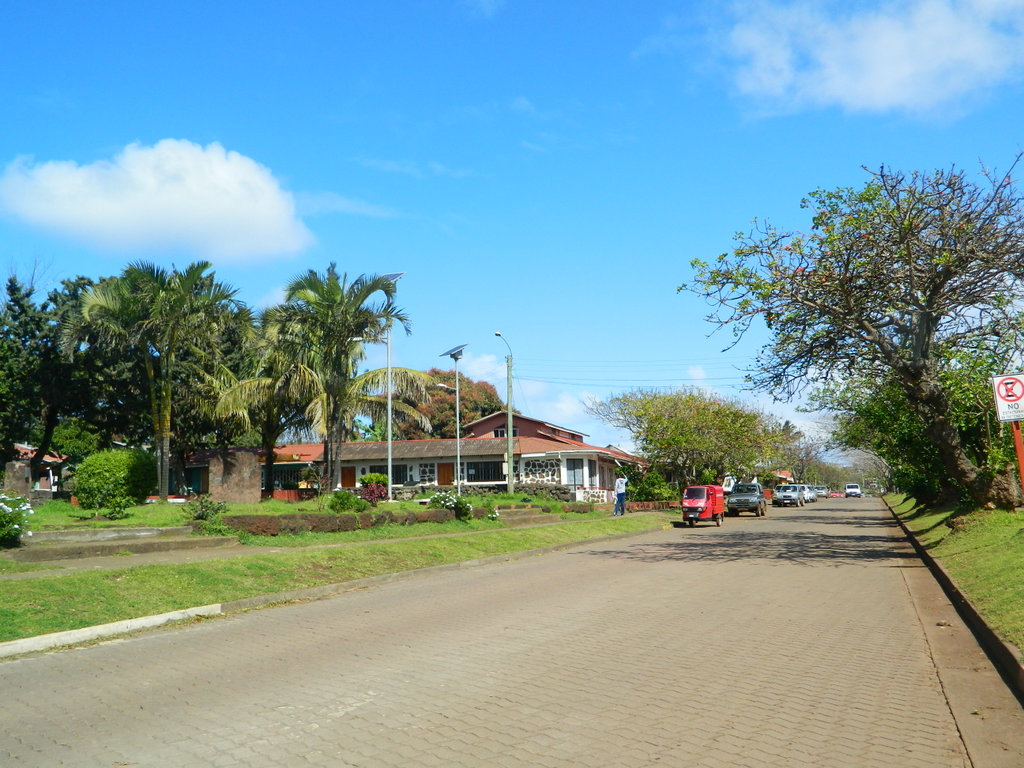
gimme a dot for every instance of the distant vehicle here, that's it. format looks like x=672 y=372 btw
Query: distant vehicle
x=703 y=502
x=822 y=491
x=788 y=495
x=836 y=494
x=747 y=497
x=853 y=489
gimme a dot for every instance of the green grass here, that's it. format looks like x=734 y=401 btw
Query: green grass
x=55 y=603
x=60 y=514
x=982 y=551
x=13 y=566
x=373 y=534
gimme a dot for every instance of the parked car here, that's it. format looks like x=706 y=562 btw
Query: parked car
x=822 y=491
x=810 y=495
x=853 y=489
x=703 y=502
x=788 y=495
x=747 y=497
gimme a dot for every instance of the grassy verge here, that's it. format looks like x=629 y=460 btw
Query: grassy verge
x=982 y=551
x=60 y=514
x=55 y=603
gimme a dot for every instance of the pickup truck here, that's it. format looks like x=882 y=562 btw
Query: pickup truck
x=747 y=497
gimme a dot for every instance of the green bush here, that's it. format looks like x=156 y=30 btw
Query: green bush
x=346 y=501
x=374 y=478
x=204 y=508
x=115 y=480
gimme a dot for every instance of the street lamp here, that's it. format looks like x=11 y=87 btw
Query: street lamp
x=455 y=354
x=393 y=277
x=510 y=467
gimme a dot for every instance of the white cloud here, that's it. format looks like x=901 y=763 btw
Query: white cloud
x=313 y=203
x=879 y=56
x=173 y=195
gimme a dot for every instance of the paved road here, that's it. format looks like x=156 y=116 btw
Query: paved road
x=800 y=639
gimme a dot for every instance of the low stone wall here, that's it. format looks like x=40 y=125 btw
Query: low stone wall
x=274 y=525
x=556 y=492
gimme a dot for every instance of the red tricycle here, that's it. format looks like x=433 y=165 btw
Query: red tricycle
x=703 y=502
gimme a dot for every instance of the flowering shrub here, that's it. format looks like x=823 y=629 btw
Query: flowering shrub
x=447 y=500
x=373 y=493
x=494 y=515
x=14 y=512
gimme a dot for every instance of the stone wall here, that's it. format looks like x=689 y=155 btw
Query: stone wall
x=542 y=471
x=236 y=478
x=17 y=478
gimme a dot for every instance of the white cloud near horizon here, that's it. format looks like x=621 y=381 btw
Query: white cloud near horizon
x=884 y=56
x=173 y=195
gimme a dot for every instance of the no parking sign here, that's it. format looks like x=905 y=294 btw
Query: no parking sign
x=1009 y=392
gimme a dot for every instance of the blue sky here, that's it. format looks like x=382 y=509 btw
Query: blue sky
x=546 y=169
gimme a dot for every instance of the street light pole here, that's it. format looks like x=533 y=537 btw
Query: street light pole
x=509 y=456
x=394 y=277
x=455 y=354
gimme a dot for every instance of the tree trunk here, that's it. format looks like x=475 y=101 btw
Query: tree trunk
x=929 y=401
x=268 y=466
x=49 y=420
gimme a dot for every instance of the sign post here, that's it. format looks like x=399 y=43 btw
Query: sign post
x=1009 y=394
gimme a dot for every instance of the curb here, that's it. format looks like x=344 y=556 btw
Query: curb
x=1003 y=655
x=128 y=626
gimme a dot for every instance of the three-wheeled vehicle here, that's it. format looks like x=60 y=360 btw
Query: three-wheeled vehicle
x=703 y=502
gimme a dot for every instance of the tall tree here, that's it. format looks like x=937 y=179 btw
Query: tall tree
x=890 y=279
x=40 y=387
x=156 y=315
x=436 y=410
x=691 y=435
x=322 y=326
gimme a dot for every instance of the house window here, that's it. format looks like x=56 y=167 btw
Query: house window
x=399 y=472
x=483 y=471
x=574 y=472
x=592 y=473
x=502 y=431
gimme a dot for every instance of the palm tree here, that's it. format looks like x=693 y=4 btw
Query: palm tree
x=272 y=395
x=322 y=327
x=156 y=315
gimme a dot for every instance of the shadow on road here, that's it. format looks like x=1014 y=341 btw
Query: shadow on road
x=811 y=549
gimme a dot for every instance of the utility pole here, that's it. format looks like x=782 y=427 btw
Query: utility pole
x=510 y=474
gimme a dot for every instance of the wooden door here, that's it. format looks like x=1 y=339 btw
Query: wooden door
x=446 y=473
x=348 y=477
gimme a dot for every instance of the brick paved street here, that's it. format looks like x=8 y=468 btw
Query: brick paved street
x=790 y=640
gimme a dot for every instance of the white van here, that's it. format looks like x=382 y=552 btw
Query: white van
x=852 y=489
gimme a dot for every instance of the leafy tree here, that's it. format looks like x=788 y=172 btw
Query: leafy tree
x=271 y=395
x=40 y=388
x=690 y=435
x=322 y=326
x=476 y=400
x=875 y=417
x=156 y=316
x=892 y=279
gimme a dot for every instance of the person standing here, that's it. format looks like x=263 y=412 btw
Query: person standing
x=620 y=496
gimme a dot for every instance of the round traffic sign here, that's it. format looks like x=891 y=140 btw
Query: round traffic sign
x=1010 y=389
